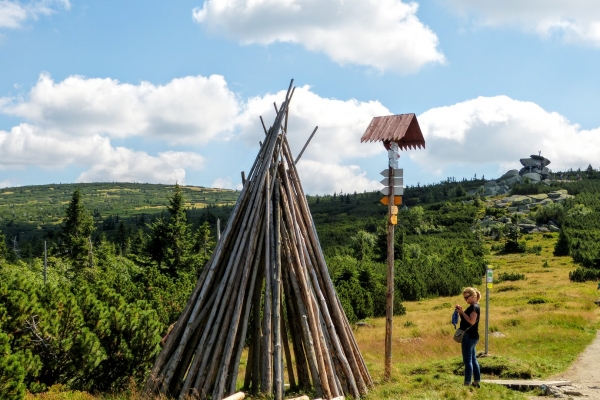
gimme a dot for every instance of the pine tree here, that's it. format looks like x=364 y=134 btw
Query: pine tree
x=76 y=232
x=12 y=372
x=170 y=241
x=203 y=240
x=3 y=248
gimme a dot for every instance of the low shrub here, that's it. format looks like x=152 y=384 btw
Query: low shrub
x=510 y=276
x=508 y=288
x=537 y=300
x=582 y=274
x=537 y=250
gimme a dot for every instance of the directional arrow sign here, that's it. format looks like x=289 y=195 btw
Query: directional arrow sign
x=385 y=200
x=398 y=172
x=398 y=191
x=397 y=181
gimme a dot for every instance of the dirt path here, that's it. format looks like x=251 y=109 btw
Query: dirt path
x=584 y=373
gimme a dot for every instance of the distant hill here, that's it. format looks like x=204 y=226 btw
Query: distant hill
x=30 y=212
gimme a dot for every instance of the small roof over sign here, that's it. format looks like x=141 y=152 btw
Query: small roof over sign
x=402 y=128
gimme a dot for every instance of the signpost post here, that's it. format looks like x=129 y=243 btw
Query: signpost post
x=397 y=132
x=489 y=282
x=393 y=220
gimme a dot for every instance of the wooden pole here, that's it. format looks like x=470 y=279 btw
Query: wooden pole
x=307 y=142
x=277 y=351
x=389 y=305
x=267 y=354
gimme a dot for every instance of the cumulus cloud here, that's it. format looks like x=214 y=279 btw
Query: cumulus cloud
x=14 y=14
x=226 y=183
x=341 y=124
x=574 y=20
x=125 y=165
x=27 y=145
x=383 y=34
x=328 y=177
x=193 y=109
x=500 y=130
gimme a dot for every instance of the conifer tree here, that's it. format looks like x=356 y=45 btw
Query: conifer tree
x=3 y=248
x=170 y=241
x=203 y=240
x=12 y=372
x=76 y=231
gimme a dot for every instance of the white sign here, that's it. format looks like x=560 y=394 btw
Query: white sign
x=398 y=191
x=490 y=275
x=397 y=181
x=398 y=172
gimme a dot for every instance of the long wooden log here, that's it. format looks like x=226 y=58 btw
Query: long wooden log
x=256 y=281
x=179 y=334
x=267 y=355
x=312 y=317
x=293 y=323
x=276 y=266
x=345 y=333
x=198 y=361
x=307 y=340
x=240 y=309
x=325 y=308
x=257 y=332
x=206 y=381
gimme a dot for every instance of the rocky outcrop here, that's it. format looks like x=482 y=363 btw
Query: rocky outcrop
x=520 y=207
x=534 y=170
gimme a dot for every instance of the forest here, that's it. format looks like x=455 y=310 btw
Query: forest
x=121 y=260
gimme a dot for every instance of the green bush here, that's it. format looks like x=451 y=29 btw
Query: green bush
x=582 y=274
x=537 y=300
x=510 y=276
x=12 y=373
x=537 y=250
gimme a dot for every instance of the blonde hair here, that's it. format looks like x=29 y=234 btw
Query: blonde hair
x=472 y=292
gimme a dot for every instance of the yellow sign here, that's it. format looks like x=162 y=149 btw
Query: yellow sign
x=394 y=220
x=385 y=200
x=394 y=210
x=490 y=285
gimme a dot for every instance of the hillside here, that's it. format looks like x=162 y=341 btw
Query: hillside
x=115 y=282
x=35 y=212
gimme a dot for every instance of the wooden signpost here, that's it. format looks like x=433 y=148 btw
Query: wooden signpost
x=396 y=132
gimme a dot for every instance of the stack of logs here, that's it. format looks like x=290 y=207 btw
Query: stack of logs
x=265 y=286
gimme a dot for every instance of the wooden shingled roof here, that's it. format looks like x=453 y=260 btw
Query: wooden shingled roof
x=402 y=128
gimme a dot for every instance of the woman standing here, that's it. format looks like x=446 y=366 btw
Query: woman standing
x=469 y=322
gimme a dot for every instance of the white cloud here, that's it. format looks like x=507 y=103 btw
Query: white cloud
x=500 y=130
x=5 y=184
x=574 y=20
x=226 y=183
x=125 y=165
x=341 y=124
x=14 y=14
x=27 y=145
x=326 y=177
x=193 y=109
x=383 y=34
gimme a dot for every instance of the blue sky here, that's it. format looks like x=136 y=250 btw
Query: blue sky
x=161 y=91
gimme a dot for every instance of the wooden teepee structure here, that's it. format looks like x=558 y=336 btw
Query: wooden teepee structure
x=265 y=286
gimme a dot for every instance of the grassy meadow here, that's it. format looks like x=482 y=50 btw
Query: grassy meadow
x=539 y=323
x=538 y=326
